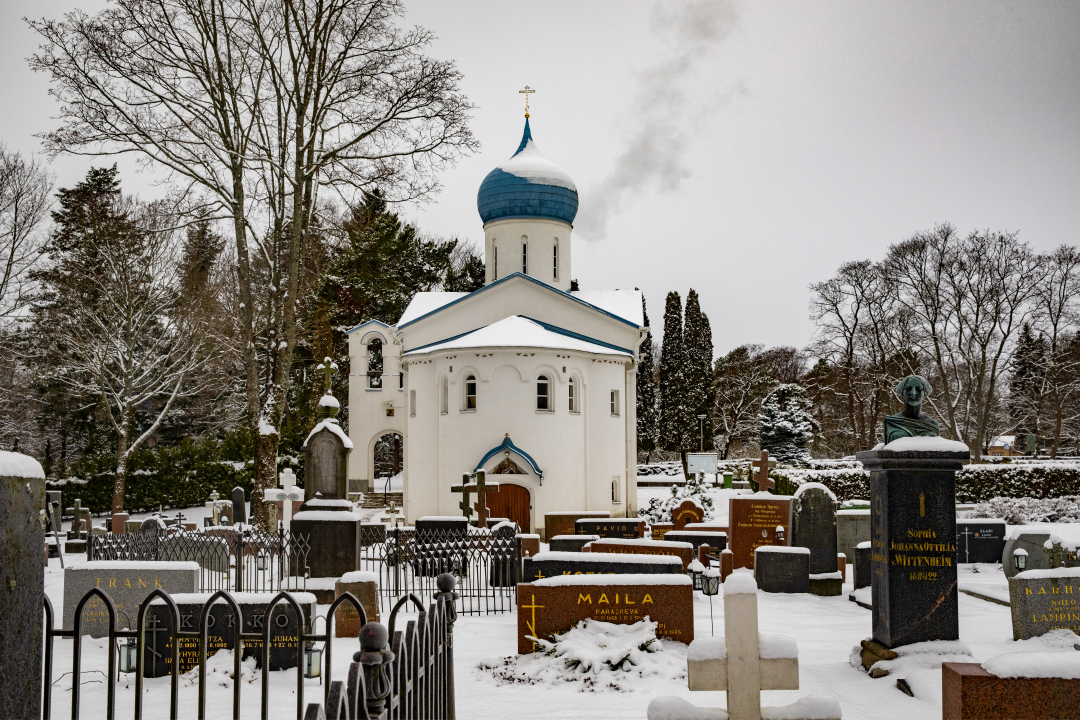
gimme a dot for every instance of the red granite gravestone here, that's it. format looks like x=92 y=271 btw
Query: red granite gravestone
x=968 y=692
x=689 y=511
x=658 y=530
x=557 y=604
x=752 y=522
x=562 y=523
x=681 y=550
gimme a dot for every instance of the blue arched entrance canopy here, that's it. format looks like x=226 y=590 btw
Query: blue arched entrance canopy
x=507 y=445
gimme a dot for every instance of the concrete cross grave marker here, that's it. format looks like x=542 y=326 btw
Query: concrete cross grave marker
x=481 y=487
x=286 y=494
x=743 y=663
x=761 y=472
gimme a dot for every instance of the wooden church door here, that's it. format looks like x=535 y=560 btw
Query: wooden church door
x=512 y=501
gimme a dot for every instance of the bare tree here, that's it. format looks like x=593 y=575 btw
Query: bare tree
x=260 y=104
x=132 y=343
x=25 y=198
x=1056 y=316
x=741 y=380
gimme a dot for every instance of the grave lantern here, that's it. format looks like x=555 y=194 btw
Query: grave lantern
x=780 y=534
x=312 y=660
x=1020 y=559
x=710 y=585
x=695 y=570
x=129 y=655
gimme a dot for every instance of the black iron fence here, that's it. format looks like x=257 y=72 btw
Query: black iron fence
x=229 y=558
x=486 y=563
x=396 y=675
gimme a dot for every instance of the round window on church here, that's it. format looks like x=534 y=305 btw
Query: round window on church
x=470 y=392
x=543 y=393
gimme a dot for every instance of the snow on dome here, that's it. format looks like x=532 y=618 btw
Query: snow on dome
x=13 y=464
x=527 y=185
x=332 y=425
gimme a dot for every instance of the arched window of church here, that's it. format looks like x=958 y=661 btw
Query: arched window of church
x=543 y=393
x=470 y=392
x=555 y=260
x=524 y=255
x=445 y=396
x=572 y=388
x=375 y=364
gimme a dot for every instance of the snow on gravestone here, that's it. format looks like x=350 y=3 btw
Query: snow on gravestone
x=22 y=508
x=556 y=564
x=555 y=605
x=1044 y=600
x=641 y=546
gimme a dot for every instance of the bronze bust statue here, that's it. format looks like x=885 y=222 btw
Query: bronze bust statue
x=911 y=422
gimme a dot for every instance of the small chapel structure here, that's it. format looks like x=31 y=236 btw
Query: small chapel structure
x=526 y=378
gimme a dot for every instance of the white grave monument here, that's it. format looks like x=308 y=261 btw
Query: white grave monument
x=743 y=662
x=286 y=494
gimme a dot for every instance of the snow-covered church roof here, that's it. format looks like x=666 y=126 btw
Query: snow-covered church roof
x=518 y=331
x=527 y=185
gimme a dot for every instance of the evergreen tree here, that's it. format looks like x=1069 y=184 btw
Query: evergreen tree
x=786 y=426
x=674 y=404
x=1027 y=388
x=646 y=393
x=701 y=396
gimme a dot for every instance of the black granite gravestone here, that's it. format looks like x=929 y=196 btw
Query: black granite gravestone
x=782 y=569
x=549 y=564
x=980 y=541
x=570 y=543
x=813 y=526
x=625 y=528
x=456 y=525
x=913 y=542
x=334 y=538
x=503 y=555
x=239 y=511
x=863 y=571
x=717 y=541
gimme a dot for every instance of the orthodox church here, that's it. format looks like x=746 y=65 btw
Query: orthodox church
x=526 y=378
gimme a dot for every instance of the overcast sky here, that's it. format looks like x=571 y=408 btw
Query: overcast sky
x=745 y=150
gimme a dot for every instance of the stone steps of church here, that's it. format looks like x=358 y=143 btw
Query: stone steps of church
x=378 y=500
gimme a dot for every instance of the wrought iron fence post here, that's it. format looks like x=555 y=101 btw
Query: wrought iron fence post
x=375 y=658
x=281 y=552
x=239 y=559
x=446 y=584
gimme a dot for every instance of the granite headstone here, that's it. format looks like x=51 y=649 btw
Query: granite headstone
x=1044 y=600
x=239 y=508
x=553 y=564
x=980 y=541
x=753 y=520
x=127 y=583
x=626 y=528
x=781 y=569
x=570 y=543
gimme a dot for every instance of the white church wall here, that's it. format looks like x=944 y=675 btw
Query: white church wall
x=368 y=418
x=542 y=237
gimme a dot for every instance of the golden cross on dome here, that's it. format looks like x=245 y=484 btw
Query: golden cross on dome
x=527 y=92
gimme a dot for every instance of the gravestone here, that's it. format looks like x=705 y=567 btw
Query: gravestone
x=980 y=541
x=553 y=564
x=1031 y=543
x=688 y=511
x=743 y=662
x=658 y=530
x=22 y=520
x=364 y=586
x=852 y=528
x=1001 y=687
x=752 y=521
x=570 y=543
x=627 y=528
x=239 y=508
x=458 y=526
x=1044 y=600
x=127 y=583
x=863 y=572
x=813 y=526
x=557 y=604
x=682 y=550
x=562 y=522
x=221 y=629
x=781 y=569
x=326 y=452
x=913 y=539
x=334 y=538
x=713 y=538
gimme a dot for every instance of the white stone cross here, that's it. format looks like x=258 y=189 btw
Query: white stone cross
x=743 y=662
x=286 y=494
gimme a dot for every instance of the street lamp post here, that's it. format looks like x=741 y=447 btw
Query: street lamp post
x=701 y=423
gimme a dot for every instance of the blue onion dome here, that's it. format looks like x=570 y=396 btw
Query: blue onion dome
x=528 y=185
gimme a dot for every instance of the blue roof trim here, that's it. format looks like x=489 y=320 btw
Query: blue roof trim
x=577 y=336
x=530 y=279
x=365 y=324
x=508 y=444
x=444 y=340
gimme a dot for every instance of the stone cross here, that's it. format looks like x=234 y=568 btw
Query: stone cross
x=742 y=672
x=466 y=509
x=761 y=474
x=286 y=494
x=76 y=522
x=481 y=487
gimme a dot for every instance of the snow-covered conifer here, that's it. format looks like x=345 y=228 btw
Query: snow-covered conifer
x=787 y=428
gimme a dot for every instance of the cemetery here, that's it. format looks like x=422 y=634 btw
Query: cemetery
x=286 y=441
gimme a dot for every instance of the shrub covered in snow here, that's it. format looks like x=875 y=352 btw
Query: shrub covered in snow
x=1024 y=510
x=659 y=510
x=593 y=645
x=976 y=483
x=845 y=483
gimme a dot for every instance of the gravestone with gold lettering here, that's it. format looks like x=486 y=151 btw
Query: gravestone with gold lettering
x=913 y=539
x=127 y=583
x=1044 y=600
x=555 y=605
x=754 y=521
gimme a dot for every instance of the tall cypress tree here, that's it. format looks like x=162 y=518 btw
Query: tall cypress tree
x=646 y=394
x=674 y=408
x=698 y=347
